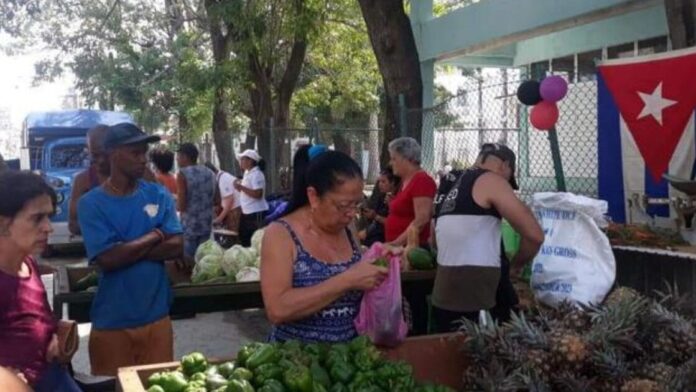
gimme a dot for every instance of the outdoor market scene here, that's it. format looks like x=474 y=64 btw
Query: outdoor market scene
x=348 y=196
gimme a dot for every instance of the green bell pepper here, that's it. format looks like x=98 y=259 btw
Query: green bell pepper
x=298 y=379
x=155 y=379
x=359 y=343
x=239 y=386
x=381 y=262
x=200 y=376
x=226 y=369
x=242 y=374
x=215 y=381
x=335 y=357
x=173 y=382
x=272 y=386
x=316 y=387
x=433 y=388
x=266 y=372
x=245 y=352
x=364 y=379
x=155 y=388
x=193 y=363
x=366 y=358
x=338 y=387
x=320 y=375
x=342 y=371
x=291 y=345
x=317 y=351
x=195 y=386
x=264 y=354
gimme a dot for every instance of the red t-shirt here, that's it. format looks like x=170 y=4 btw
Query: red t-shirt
x=26 y=322
x=401 y=210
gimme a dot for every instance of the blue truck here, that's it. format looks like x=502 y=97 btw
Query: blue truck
x=54 y=145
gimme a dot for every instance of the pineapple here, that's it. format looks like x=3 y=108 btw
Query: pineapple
x=577 y=320
x=664 y=347
x=621 y=294
x=539 y=362
x=658 y=372
x=640 y=385
x=568 y=348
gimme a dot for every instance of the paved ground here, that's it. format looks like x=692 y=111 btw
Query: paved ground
x=214 y=334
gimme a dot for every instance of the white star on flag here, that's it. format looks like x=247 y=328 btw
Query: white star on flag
x=654 y=104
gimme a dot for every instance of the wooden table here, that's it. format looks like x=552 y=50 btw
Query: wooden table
x=190 y=299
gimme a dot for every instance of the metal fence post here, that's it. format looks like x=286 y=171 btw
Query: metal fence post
x=272 y=160
x=402 y=115
x=557 y=163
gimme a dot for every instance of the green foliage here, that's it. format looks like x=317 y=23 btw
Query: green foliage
x=340 y=80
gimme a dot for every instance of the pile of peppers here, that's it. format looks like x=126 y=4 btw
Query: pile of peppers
x=294 y=367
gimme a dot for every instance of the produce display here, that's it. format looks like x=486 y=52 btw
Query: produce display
x=293 y=367
x=643 y=235
x=236 y=264
x=629 y=343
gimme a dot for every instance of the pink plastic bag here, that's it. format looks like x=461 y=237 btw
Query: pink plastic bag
x=381 y=316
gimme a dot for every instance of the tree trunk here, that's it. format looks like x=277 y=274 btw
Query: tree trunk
x=681 y=19
x=221 y=53
x=222 y=137
x=394 y=45
x=373 y=148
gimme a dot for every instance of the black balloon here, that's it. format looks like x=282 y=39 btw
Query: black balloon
x=528 y=92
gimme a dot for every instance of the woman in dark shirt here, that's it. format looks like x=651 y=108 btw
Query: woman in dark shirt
x=377 y=211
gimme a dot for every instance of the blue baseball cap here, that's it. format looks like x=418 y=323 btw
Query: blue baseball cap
x=125 y=134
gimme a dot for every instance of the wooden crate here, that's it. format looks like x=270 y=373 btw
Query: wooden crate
x=435 y=358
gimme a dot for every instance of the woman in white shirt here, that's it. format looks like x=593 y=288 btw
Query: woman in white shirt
x=251 y=194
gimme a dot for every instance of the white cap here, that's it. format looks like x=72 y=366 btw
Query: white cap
x=251 y=154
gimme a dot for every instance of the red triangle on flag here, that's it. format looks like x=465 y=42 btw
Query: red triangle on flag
x=656 y=97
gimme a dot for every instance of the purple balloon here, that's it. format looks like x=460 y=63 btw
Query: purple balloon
x=553 y=88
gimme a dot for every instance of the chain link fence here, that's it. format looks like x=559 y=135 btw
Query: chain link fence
x=486 y=110
x=362 y=144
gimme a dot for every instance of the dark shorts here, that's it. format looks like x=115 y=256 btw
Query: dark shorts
x=248 y=224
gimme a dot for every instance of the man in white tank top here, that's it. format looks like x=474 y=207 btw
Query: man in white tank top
x=468 y=212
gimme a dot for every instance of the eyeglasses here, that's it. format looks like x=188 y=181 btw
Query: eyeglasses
x=348 y=206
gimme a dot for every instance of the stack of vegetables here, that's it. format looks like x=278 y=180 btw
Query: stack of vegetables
x=294 y=367
x=237 y=264
x=644 y=236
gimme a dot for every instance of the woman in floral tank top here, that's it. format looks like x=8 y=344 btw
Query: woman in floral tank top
x=311 y=278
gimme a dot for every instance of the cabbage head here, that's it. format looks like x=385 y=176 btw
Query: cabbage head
x=256 y=240
x=207 y=248
x=248 y=274
x=207 y=268
x=236 y=258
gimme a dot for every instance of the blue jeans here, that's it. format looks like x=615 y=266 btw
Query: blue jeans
x=56 y=379
x=191 y=243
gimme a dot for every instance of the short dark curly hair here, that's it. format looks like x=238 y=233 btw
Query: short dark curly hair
x=17 y=188
x=163 y=159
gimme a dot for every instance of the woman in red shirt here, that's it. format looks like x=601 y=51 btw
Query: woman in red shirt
x=28 y=341
x=412 y=206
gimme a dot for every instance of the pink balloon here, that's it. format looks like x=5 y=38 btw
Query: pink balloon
x=544 y=115
x=553 y=88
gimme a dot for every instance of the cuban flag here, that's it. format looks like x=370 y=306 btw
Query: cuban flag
x=646 y=129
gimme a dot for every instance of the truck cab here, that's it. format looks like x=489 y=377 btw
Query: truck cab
x=54 y=146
